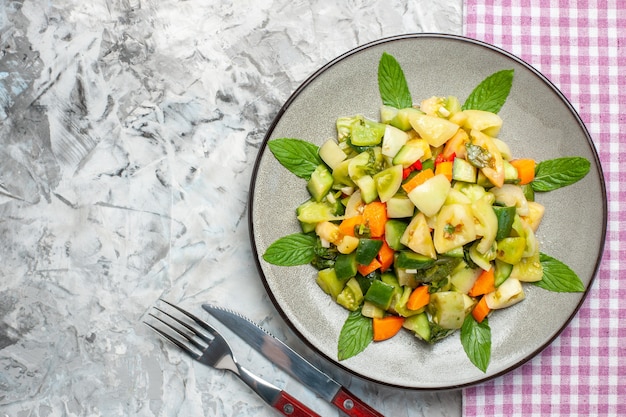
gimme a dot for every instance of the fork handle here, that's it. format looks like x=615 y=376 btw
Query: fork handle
x=280 y=400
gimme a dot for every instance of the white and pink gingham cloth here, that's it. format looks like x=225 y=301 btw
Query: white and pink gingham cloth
x=581 y=47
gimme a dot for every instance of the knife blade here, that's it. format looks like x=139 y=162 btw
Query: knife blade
x=291 y=362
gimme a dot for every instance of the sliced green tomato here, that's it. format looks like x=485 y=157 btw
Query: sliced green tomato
x=512 y=195
x=429 y=196
x=449 y=308
x=388 y=182
x=535 y=215
x=528 y=269
x=482 y=260
x=454 y=227
x=472 y=191
x=380 y=294
x=487 y=226
x=351 y=297
x=367 y=162
x=511 y=249
x=484 y=121
x=418 y=238
x=344 y=127
x=457 y=197
x=365 y=132
x=312 y=211
x=494 y=171
x=435 y=130
x=510 y=292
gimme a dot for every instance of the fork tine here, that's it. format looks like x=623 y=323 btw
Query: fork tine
x=201 y=323
x=188 y=337
x=175 y=341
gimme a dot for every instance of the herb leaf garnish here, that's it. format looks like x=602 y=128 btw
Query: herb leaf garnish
x=356 y=334
x=298 y=156
x=491 y=93
x=291 y=250
x=394 y=90
x=558 y=277
x=560 y=172
x=476 y=341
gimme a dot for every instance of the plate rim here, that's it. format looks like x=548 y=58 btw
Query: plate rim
x=426 y=35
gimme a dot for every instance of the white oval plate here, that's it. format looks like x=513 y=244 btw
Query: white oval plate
x=539 y=123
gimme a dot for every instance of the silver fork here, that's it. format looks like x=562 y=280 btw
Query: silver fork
x=203 y=343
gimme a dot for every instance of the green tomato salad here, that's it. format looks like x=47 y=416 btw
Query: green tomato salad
x=423 y=220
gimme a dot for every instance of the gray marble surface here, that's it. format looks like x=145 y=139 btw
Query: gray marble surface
x=128 y=132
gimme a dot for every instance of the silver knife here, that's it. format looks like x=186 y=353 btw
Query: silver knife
x=292 y=363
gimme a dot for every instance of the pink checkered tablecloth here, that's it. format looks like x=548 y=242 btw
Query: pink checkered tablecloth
x=581 y=47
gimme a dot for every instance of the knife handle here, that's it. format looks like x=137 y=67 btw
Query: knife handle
x=352 y=405
x=290 y=407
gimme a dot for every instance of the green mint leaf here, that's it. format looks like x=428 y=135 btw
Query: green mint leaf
x=394 y=90
x=356 y=334
x=291 y=250
x=558 y=277
x=560 y=172
x=298 y=156
x=491 y=94
x=476 y=341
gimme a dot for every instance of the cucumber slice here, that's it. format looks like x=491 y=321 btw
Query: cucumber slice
x=332 y=154
x=463 y=277
x=320 y=183
x=463 y=171
x=370 y=310
x=367 y=250
x=346 y=266
x=502 y=271
x=314 y=212
x=411 y=260
x=367 y=185
x=380 y=294
x=393 y=140
x=505 y=216
x=411 y=152
x=329 y=282
x=388 y=182
x=510 y=173
x=394 y=229
x=419 y=325
x=399 y=206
